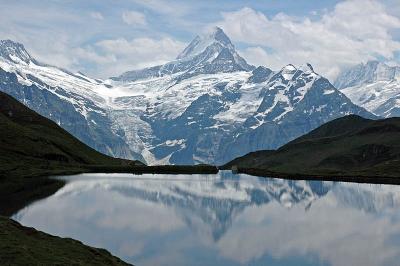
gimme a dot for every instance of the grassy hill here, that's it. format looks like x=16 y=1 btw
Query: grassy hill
x=350 y=146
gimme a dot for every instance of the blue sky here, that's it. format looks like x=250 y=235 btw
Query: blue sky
x=104 y=38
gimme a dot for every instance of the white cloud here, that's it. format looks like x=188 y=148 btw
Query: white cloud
x=50 y=36
x=118 y=55
x=134 y=18
x=355 y=31
x=354 y=240
x=166 y=7
x=96 y=15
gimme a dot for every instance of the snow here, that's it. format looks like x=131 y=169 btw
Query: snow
x=327 y=92
x=372 y=96
x=199 y=44
x=288 y=72
x=167 y=98
x=159 y=97
x=132 y=105
x=174 y=142
x=319 y=109
x=374 y=86
x=247 y=104
x=16 y=59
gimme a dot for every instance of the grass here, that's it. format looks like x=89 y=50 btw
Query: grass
x=21 y=245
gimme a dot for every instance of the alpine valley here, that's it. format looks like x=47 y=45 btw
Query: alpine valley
x=206 y=106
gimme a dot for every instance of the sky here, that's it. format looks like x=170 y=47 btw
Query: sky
x=104 y=38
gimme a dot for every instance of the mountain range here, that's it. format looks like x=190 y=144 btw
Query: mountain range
x=206 y=106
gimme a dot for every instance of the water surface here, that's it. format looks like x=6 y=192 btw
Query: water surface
x=224 y=219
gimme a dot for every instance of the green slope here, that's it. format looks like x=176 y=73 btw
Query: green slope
x=348 y=146
x=21 y=245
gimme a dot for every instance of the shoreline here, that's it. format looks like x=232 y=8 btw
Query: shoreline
x=19 y=190
x=23 y=245
x=383 y=180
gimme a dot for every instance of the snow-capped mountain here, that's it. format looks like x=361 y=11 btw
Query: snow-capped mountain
x=73 y=101
x=207 y=106
x=207 y=54
x=374 y=86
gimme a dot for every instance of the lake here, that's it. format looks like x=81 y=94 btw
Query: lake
x=224 y=219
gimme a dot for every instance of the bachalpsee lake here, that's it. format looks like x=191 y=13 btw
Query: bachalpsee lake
x=224 y=219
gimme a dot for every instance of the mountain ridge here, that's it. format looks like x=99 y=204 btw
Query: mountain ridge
x=208 y=106
x=199 y=56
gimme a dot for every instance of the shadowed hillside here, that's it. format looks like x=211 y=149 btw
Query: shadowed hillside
x=348 y=146
x=26 y=246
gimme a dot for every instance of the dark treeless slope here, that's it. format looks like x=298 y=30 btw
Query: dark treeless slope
x=31 y=147
x=21 y=245
x=350 y=146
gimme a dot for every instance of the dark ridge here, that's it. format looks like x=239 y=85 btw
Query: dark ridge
x=21 y=245
x=350 y=146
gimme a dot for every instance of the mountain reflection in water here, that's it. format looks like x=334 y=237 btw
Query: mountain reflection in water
x=225 y=219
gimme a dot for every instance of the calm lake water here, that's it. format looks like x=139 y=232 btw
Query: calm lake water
x=225 y=219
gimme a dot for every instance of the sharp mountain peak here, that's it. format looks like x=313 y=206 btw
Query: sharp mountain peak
x=13 y=51
x=213 y=36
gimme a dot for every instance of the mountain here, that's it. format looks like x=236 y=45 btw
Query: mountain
x=206 y=106
x=15 y=52
x=207 y=54
x=294 y=101
x=348 y=146
x=70 y=100
x=374 y=86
